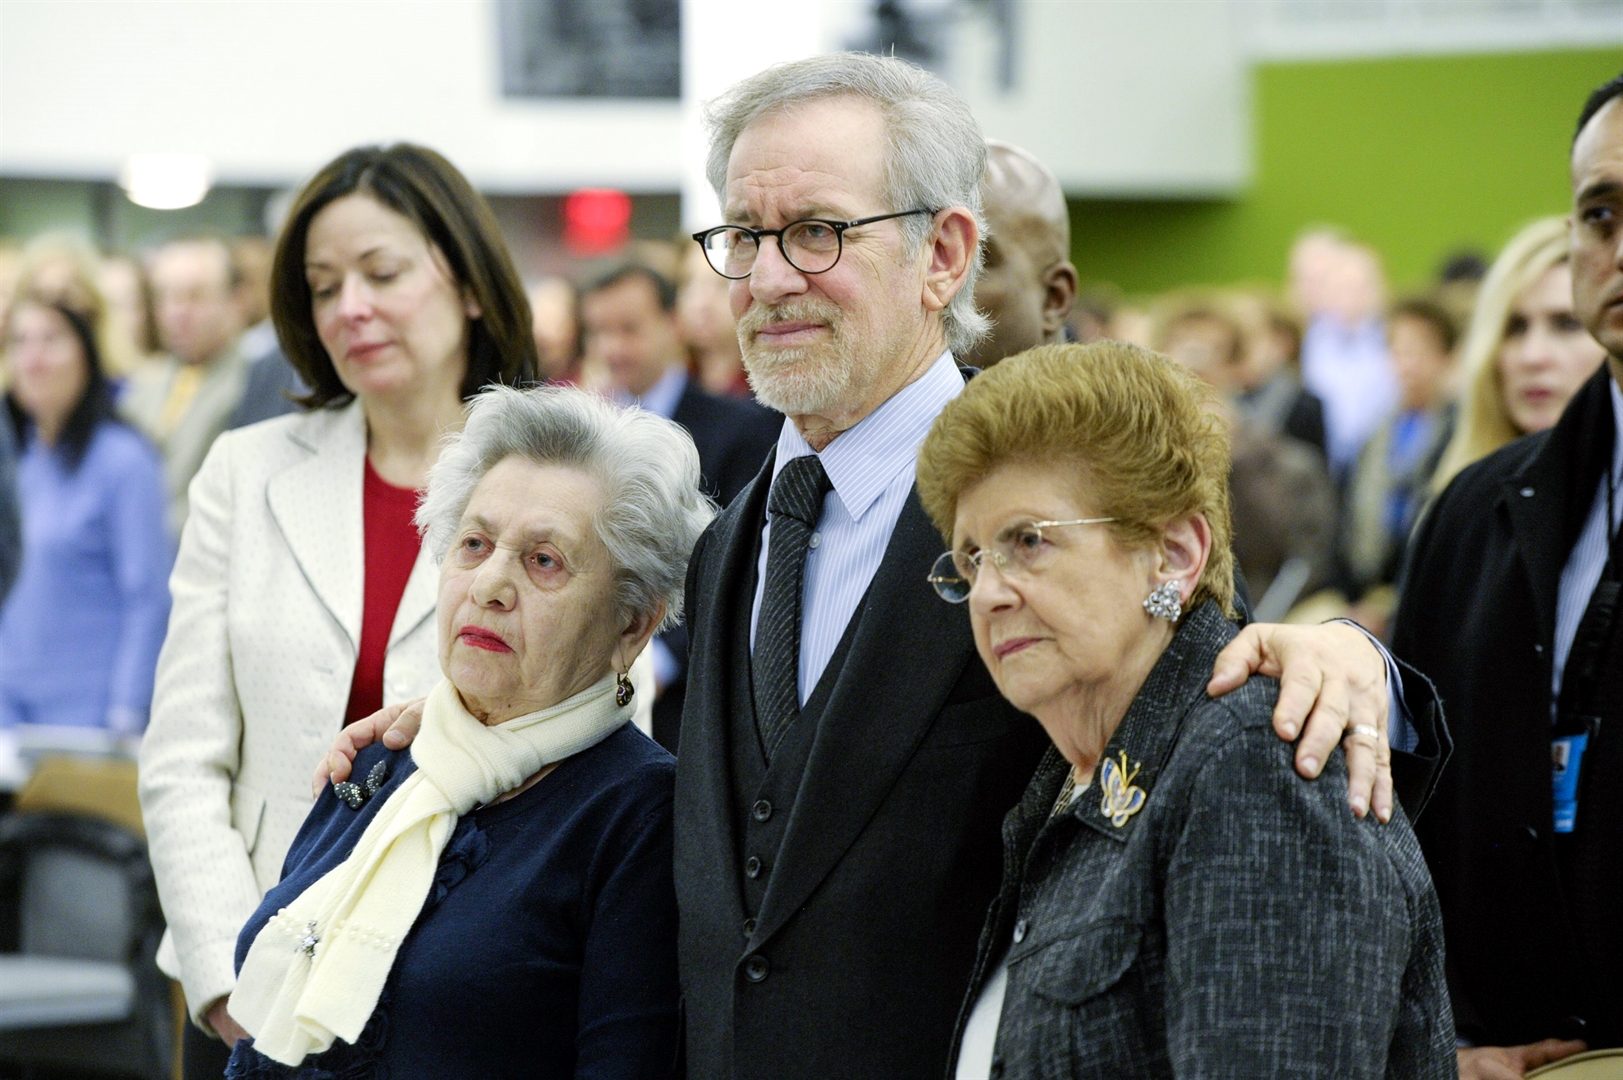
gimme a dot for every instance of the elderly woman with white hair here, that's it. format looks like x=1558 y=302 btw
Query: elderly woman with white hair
x=497 y=901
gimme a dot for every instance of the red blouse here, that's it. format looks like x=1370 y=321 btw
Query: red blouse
x=391 y=551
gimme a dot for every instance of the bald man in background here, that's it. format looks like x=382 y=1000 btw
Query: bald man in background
x=1028 y=284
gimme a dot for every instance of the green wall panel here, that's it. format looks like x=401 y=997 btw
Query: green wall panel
x=1419 y=156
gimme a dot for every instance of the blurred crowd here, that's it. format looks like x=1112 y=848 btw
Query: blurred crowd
x=1348 y=407
x=119 y=371
x=262 y=492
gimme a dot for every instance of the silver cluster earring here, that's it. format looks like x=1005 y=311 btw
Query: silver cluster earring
x=1165 y=602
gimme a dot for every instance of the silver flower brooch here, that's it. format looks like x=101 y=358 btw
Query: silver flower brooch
x=355 y=795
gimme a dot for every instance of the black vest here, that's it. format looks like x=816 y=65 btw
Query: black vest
x=763 y=793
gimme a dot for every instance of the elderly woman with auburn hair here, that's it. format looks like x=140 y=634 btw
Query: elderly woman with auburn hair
x=1177 y=900
x=497 y=901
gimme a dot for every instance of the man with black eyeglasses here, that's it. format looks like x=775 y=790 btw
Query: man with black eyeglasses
x=845 y=759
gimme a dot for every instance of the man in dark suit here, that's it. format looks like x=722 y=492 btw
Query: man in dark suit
x=628 y=319
x=1511 y=605
x=846 y=760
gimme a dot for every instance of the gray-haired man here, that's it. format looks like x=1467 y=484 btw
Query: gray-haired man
x=845 y=759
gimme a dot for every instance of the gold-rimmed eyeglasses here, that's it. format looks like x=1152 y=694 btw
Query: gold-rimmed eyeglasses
x=812 y=245
x=1016 y=550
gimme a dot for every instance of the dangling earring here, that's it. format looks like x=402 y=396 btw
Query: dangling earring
x=623 y=690
x=1165 y=602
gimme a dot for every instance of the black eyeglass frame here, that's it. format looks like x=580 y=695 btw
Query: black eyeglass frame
x=839 y=228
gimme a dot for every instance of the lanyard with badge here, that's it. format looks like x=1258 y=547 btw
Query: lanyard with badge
x=1578 y=715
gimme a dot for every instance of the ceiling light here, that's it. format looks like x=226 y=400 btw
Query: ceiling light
x=166 y=181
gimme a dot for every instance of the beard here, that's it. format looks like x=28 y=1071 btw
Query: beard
x=824 y=379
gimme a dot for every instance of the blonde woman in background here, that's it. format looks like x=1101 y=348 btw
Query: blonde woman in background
x=1525 y=353
x=64 y=269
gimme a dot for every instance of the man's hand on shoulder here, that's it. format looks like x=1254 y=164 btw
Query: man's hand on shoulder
x=396 y=725
x=1332 y=688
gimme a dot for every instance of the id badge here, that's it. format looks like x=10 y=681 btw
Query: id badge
x=1566 y=758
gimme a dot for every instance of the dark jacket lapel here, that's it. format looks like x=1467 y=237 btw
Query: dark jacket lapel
x=720 y=578
x=1550 y=498
x=1138 y=751
x=908 y=651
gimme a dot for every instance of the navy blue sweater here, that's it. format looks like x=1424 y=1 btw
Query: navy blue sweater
x=547 y=945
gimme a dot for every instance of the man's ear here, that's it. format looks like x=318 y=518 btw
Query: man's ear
x=1059 y=296
x=957 y=238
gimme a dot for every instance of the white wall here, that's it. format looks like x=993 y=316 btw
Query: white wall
x=271 y=89
x=1117 y=95
x=1313 y=30
x=1122 y=97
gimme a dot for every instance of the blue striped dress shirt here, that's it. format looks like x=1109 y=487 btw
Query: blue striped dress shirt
x=1582 y=572
x=872 y=467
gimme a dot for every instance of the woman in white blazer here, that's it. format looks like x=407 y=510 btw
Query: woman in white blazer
x=301 y=595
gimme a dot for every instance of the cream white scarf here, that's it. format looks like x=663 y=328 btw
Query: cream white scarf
x=315 y=970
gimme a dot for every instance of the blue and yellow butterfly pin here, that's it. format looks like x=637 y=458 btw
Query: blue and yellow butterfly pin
x=1122 y=799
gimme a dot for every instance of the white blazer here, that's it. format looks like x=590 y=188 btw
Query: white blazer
x=255 y=674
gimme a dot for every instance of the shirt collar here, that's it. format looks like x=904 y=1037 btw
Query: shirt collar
x=863 y=460
x=662 y=398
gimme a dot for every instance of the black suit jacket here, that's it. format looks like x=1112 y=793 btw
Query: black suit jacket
x=892 y=854
x=1478 y=616
x=733 y=438
x=892 y=850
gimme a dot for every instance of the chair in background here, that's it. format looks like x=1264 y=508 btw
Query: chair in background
x=79 y=927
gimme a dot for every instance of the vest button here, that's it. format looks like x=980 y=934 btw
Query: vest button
x=761 y=810
x=749 y=928
x=752 y=867
x=1020 y=929
x=756 y=968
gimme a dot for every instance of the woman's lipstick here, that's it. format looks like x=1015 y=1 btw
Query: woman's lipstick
x=480 y=638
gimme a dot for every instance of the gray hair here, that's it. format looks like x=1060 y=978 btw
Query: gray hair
x=652 y=512
x=936 y=157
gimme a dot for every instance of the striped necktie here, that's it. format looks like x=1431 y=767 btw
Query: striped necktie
x=795 y=502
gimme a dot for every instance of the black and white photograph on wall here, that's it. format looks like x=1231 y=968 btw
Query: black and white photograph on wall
x=591 y=48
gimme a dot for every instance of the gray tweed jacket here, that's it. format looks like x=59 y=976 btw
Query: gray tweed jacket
x=1237 y=921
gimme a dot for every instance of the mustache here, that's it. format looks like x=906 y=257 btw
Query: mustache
x=804 y=309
